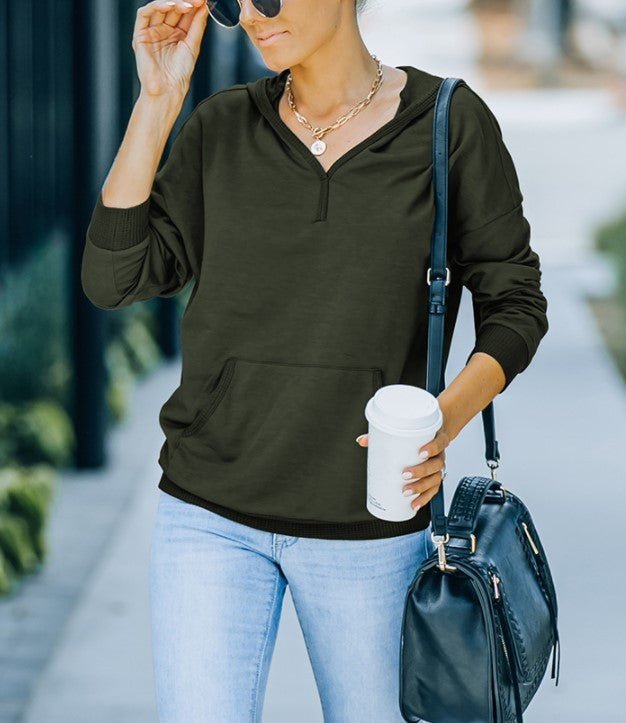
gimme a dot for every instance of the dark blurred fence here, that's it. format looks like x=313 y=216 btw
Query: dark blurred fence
x=45 y=47
x=67 y=86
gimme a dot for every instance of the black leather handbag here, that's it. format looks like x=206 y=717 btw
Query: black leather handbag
x=480 y=616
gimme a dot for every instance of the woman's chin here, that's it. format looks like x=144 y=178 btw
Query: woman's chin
x=276 y=61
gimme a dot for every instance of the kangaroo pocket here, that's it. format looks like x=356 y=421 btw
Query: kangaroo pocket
x=278 y=440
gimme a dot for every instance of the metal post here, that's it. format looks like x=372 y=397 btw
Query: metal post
x=95 y=36
x=4 y=137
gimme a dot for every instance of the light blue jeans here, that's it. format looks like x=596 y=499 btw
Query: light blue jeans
x=216 y=591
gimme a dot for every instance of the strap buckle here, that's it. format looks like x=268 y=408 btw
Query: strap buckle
x=493 y=466
x=447 y=276
x=440 y=541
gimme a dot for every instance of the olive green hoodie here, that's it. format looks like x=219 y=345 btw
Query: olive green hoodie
x=310 y=293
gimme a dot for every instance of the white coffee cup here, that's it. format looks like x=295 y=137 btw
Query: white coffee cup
x=401 y=419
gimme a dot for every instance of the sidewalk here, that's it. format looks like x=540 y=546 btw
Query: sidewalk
x=88 y=616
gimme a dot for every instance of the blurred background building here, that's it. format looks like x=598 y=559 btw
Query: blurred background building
x=80 y=388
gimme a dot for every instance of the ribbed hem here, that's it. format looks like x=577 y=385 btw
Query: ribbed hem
x=376 y=529
x=507 y=346
x=118 y=228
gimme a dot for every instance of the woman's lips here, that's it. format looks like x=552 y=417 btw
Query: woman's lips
x=272 y=38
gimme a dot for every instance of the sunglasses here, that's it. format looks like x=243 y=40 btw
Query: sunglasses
x=226 y=12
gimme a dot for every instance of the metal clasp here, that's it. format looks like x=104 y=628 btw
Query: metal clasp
x=473 y=541
x=493 y=466
x=447 y=276
x=440 y=541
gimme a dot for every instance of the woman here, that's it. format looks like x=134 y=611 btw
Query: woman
x=301 y=206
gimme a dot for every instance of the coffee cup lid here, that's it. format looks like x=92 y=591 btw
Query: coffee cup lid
x=403 y=407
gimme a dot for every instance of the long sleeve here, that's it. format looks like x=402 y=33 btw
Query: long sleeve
x=489 y=237
x=136 y=253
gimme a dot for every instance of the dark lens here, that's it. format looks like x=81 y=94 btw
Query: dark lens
x=226 y=12
x=269 y=8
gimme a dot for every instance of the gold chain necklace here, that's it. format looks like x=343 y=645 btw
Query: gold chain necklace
x=318 y=146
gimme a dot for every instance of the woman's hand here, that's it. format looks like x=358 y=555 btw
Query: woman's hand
x=427 y=473
x=166 y=41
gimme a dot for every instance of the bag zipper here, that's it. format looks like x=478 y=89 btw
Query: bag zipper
x=496 y=594
x=488 y=611
x=505 y=624
x=540 y=567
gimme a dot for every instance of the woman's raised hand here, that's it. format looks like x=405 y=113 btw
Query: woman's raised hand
x=166 y=42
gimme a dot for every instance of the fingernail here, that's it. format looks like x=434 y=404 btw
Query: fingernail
x=407 y=475
x=416 y=508
x=424 y=454
x=357 y=440
x=406 y=493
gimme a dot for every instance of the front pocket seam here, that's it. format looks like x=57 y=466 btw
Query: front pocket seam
x=219 y=392
x=314 y=366
x=229 y=373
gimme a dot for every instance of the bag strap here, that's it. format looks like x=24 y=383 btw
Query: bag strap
x=438 y=278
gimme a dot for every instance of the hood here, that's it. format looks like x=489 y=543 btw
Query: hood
x=420 y=90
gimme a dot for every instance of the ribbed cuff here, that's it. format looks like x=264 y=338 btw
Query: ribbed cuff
x=506 y=346
x=118 y=228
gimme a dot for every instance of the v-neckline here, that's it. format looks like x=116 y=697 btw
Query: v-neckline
x=404 y=112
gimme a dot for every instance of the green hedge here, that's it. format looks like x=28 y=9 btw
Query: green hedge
x=36 y=389
x=25 y=498
x=35 y=336
x=610 y=238
x=35 y=432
